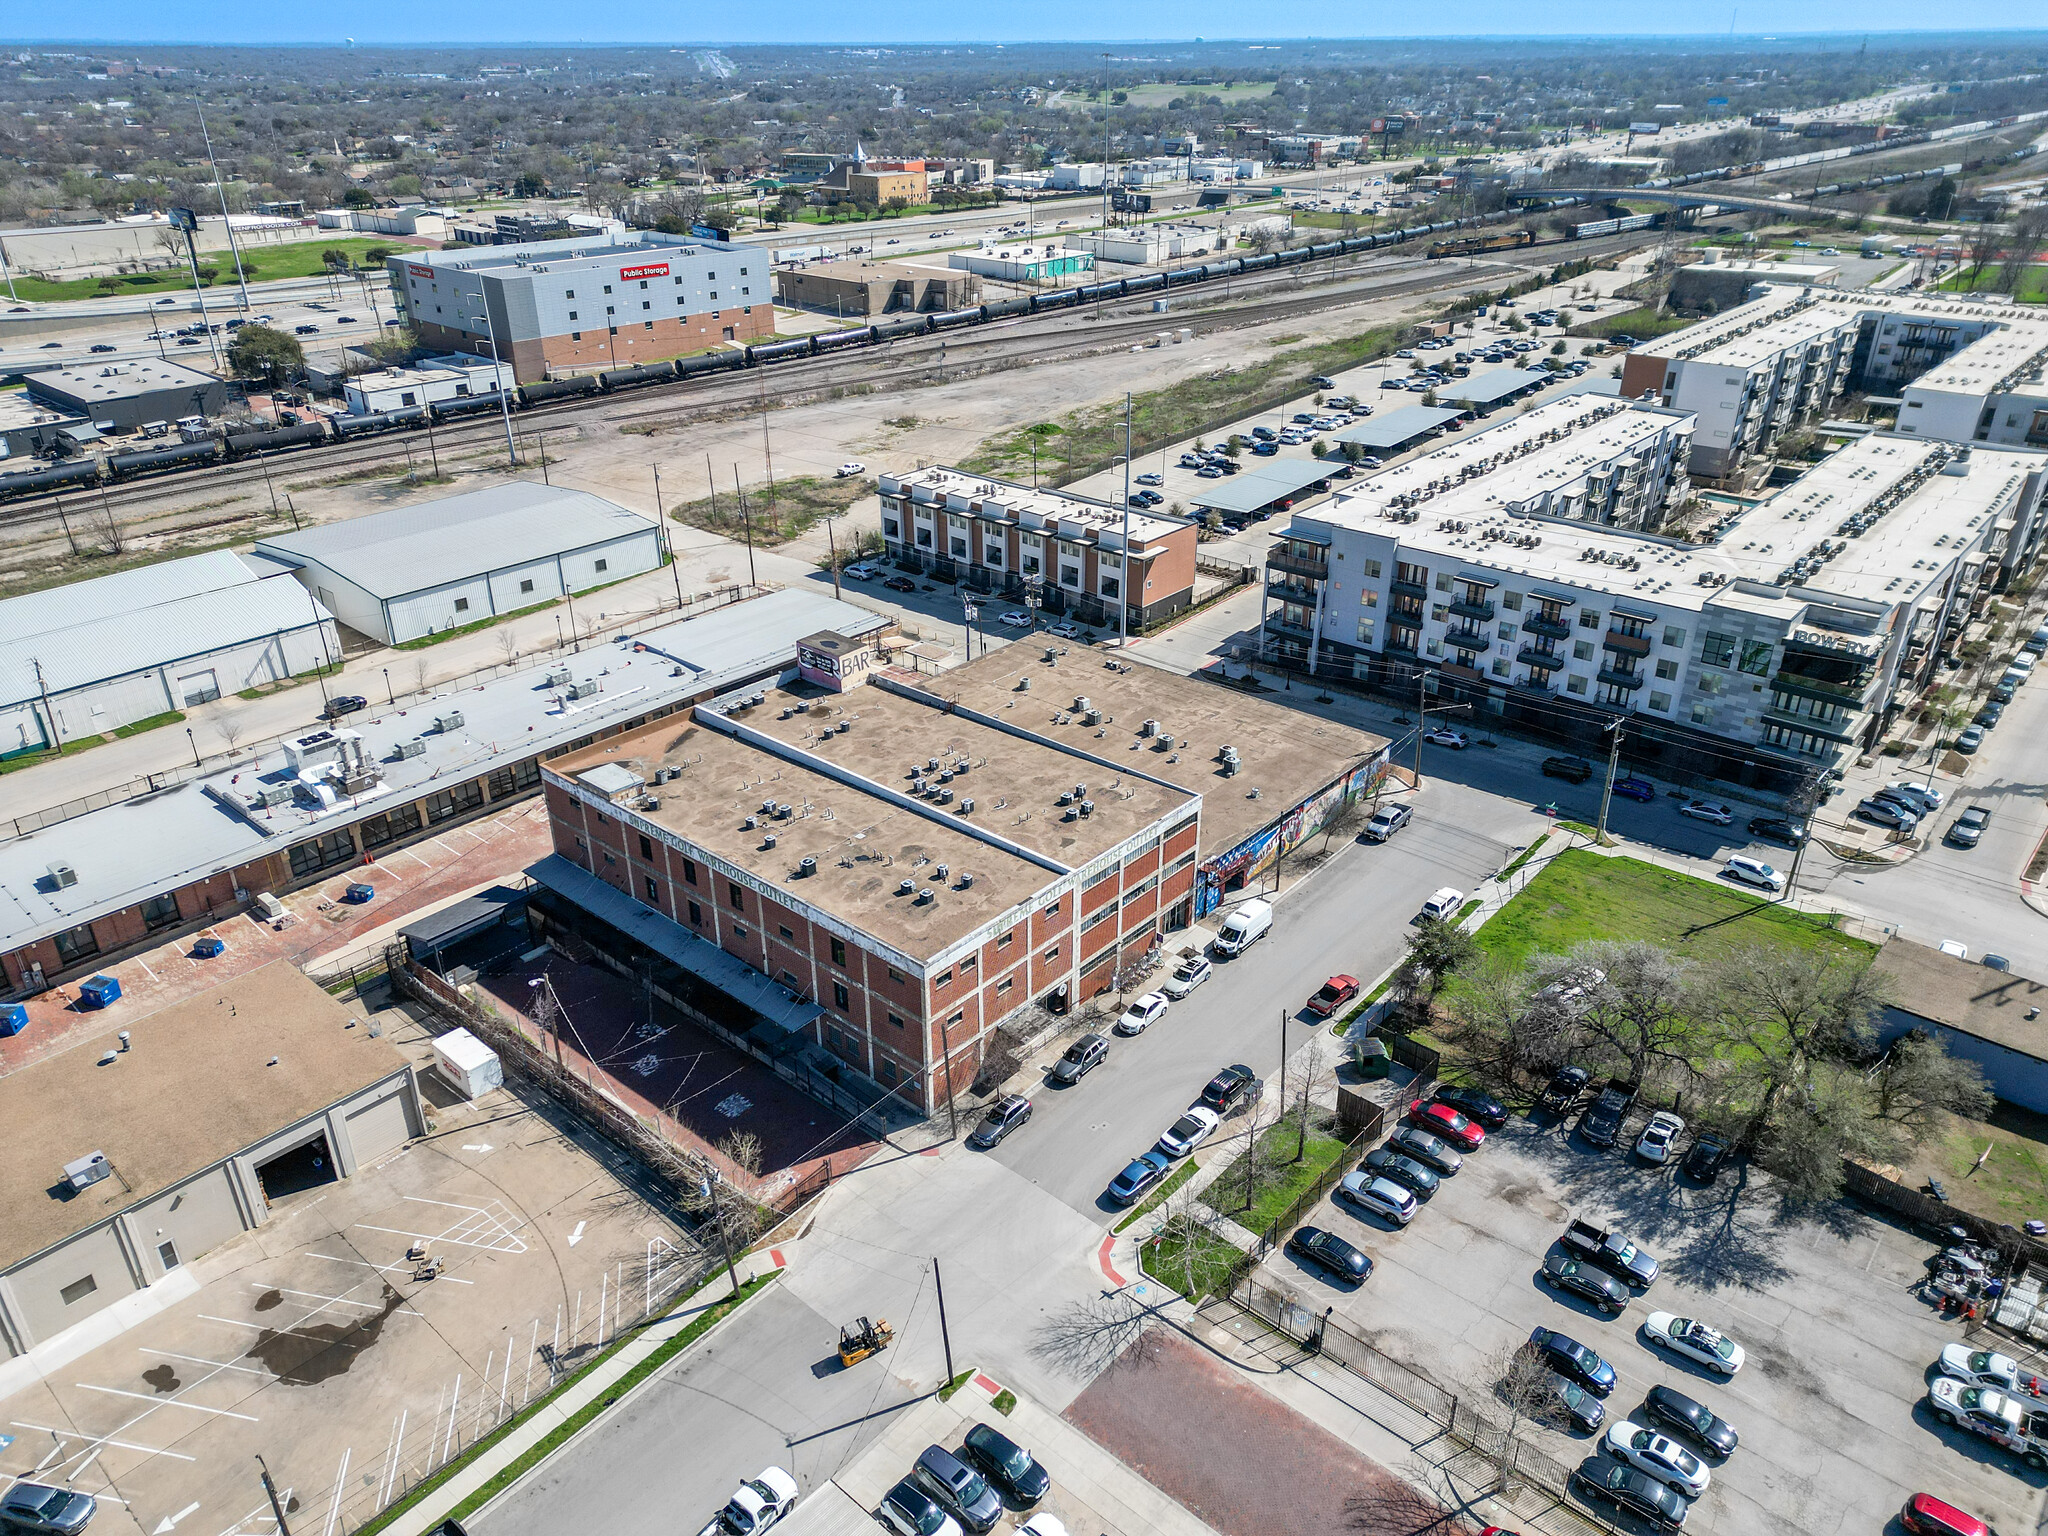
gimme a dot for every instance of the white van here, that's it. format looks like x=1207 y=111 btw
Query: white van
x=1252 y=921
x=1443 y=906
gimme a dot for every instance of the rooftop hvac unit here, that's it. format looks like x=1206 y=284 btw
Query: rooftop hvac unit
x=966 y=809
x=942 y=871
x=452 y=721
x=768 y=841
x=905 y=887
x=806 y=867
x=84 y=1172
x=558 y=678
x=1087 y=807
x=63 y=876
x=925 y=896
x=415 y=747
x=584 y=689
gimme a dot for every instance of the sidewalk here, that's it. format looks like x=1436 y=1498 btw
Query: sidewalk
x=441 y=1503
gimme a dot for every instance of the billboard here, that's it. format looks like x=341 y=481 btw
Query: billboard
x=1377 y=125
x=185 y=219
x=650 y=269
x=1642 y=127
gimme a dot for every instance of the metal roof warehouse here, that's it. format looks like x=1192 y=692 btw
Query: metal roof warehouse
x=1259 y=487
x=415 y=571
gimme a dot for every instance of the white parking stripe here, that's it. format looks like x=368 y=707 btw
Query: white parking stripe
x=219 y=1365
x=124 y=1445
x=339 y=1301
x=235 y=1322
x=163 y=1402
x=384 y=1269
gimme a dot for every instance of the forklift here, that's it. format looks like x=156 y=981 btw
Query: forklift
x=861 y=1338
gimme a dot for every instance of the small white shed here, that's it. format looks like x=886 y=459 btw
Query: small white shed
x=466 y=1064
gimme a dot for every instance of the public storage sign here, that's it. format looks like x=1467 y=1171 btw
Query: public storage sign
x=656 y=269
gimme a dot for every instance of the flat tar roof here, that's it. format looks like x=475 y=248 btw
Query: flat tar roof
x=106 y=382
x=410 y=549
x=1287 y=754
x=195 y=1087
x=1397 y=429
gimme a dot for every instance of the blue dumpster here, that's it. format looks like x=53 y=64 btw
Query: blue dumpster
x=208 y=947
x=359 y=893
x=99 y=992
x=13 y=1018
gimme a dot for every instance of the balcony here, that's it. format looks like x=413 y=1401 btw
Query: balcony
x=1458 y=672
x=1467 y=608
x=1549 y=629
x=1469 y=640
x=1315 y=567
x=1821 y=690
x=1626 y=645
x=1279 y=620
x=1293 y=592
x=1614 y=677
x=1409 y=588
x=1401 y=642
x=1535 y=656
x=1535 y=682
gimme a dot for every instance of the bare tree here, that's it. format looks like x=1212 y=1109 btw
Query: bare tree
x=1083 y=1339
x=1499 y=1026
x=2026 y=237
x=419 y=672
x=1312 y=1068
x=1186 y=1236
x=1919 y=1082
x=1633 y=996
x=508 y=643
x=230 y=727
x=743 y=1150
x=1521 y=1385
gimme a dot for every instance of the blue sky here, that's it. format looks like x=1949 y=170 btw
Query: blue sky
x=804 y=21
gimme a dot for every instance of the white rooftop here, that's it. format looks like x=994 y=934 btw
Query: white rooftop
x=1035 y=507
x=1789 y=317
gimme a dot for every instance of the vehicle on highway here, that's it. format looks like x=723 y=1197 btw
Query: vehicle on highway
x=1967 y=829
x=1563 y=1089
x=849 y=469
x=1139 y=1175
x=1403 y=1170
x=1144 y=1009
x=1379 y=1195
x=755 y=1505
x=49 y=346
x=306 y=330
x=1693 y=1340
x=1192 y=971
x=1711 y=811
x=1697 y=1422
x=1442 y=1120
x=1603 y=1480
x=1474 y=1103
x=1577 y=1278
x=343 y=704
x=1576 y=769
x=1446 y=736
x=1987 y=1368
x=1189 y=1131
x=1602 y=1121
x=1655 y=1144
x=1971 y=738
x=1016 y=619
x=1227 y=1089
x=900 y=584
x=1788 y=830
x=860 y=571
x=1659 y=1455
x=1573 y=1361
x=1332 y=995
x=1424 y=1148
x=908 y=1510
x=1925 y=1515
x=1611 y=1251
x=1386 y=821
x=1328 y=1252
x=101 y=346
x=1633 y=788
x=961 y=1489
x=1003 y=1117
x=1079 y=1059
x=1007 y=1464
x=47 y=1511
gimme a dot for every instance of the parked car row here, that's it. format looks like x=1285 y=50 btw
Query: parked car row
x=1601 y=1123
x=1229 y=1088
x=948 y=1491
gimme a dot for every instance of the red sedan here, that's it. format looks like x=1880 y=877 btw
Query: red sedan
x=1335 y=993
x=1446 y=1122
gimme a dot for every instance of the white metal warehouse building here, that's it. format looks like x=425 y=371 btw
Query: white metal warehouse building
x=96 y=655
x=415 y=571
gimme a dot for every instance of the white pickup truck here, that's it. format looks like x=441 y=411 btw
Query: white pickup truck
x=755 y=1505
x=1991 y=1415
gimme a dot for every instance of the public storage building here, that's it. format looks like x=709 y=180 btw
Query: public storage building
x=414 y=571
x=123 y=1164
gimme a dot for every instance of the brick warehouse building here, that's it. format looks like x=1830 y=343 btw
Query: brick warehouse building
x=607 y=301
x=1019 y=540
x=901 y=864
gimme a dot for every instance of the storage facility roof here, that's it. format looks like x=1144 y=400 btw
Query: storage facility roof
x=412 y=549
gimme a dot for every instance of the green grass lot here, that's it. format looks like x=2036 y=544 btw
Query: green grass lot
x=1641 y=323
x=1225 y=1194
x=1581 y=895
x=1159 y=92
x=2033 y=287
x=2012 y=1185
x=1162 y=1259
x=260 y=263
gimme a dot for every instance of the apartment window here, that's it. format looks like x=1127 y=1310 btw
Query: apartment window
x=1702 y=713
x=1003 y=987
x=841 y=998
x=646 y=846
x=1661 y=702
x=944 y=978
x=646 y=303
x=647 y=325
x=1365 y=630
x=1667 y=669
x=1110 y=587
x=1051 y=911
x=1574 y=685
x=888 y=1071
x=607 y=287
x=1438 y=612
x=1717 y=650
x=739 y=934
x=1511 y=601
x=735 y=897
x=167 y=1255
x=575 y=335
x=1500 y=666
x=570 y=294
x=689 y=871
x=79 y=1289
x=894 y=974
x=1756 y=658
x=839 y=952
x=1003 y=941
x=76 y=944
x=1368 y=597
x=1507 y=631
x=1433 y=647
x=786 y=931
x=1582 y=650
x=1443 y=581
x=1588 y=619
x=896 y=1019
x=160 y=911
x=462 y=605
x=959 y=549
x=653 y=892
x=1053 y=953
x=924 y=541
x=696 y=915
x=572 y=314
x=1372 y=569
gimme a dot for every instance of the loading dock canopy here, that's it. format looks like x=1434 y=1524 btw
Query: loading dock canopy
x=1397 y=429
x=1496 y=385
x=466 y=918
x=1259 y=487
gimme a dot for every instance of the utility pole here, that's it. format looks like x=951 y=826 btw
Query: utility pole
x=1123 y=587
x=832 y=556
x=747 y=524
x=69 y=537
x=768 y=453
x=675 y=568
x=1607 y=794
x=221 y=187
x=1422 y=714
x=712 y=1179
x=276 y=1504
x=188 y=221
x=945 y=1335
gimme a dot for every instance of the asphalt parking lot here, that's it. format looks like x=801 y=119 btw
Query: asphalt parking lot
x=310 y=1342
x=1838 y=1348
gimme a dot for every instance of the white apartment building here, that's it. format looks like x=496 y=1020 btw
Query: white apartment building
x=1969 y=370
x=1776 y=648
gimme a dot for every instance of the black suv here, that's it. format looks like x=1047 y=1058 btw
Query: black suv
x=1606 y=1481
x=1576 y=769
x=1779 y=829
x=1227 y=1087
x=1564 y=1089
x=1602 y=1121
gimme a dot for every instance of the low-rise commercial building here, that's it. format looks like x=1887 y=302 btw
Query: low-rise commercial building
x=609 y=300
x=860 y=288
x=29 y=427
x=120 y=397
x=81 y=660
x=1991 y=1018
x=414 y=571
x=454 y=376
x=88 y=888
x=1776 y=649
x=1026 y=263
x=923 y=860
x=1063 y=553
x=1150 y=244
x=127 y=1161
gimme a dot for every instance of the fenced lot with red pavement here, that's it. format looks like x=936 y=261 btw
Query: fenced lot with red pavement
x=696 y=1087
x=1236 y=1456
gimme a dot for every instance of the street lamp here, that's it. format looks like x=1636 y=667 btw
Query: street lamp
x=389 y=697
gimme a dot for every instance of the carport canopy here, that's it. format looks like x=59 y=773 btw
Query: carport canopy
x=461 y=920
x=1496 y=385
x=1397 y=429
x=1265 y=484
